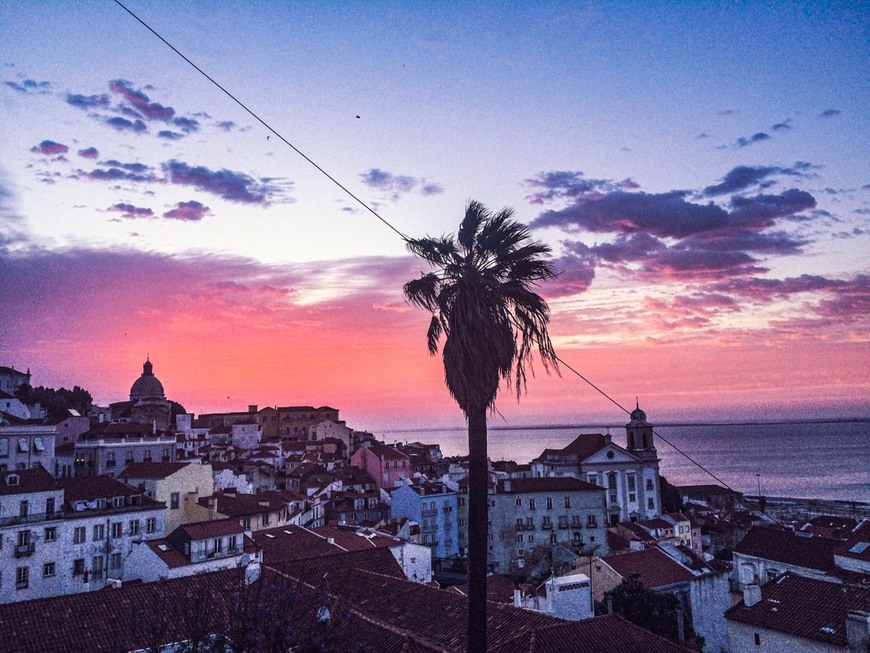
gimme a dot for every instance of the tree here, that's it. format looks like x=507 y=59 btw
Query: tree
x=655 y=611
x=481 y=299
x=671 y=499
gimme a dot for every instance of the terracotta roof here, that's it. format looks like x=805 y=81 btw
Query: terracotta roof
x=215 y=528
x=788 y=547
x=387 y=453
x=607 y=634
x=151 y=470
x=545 y=484
x=654 y=568
x=244 y=505
x=806 y=607
x=65 y=449
x=88 y=488
x=499 y=589
x=35 y=479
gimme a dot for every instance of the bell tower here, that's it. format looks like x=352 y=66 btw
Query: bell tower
x=639 y=435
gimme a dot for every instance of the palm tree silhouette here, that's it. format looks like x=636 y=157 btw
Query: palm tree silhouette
x=481 y=299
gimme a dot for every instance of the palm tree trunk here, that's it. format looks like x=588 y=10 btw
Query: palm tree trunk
x=478 y=520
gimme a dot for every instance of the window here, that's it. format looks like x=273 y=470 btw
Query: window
x=22 y=578
x=563 y=521
x=146 y=457
x=118 y=502
x=78 y=566
x=117 y=529
x=552 y=538
x=97 y=566
x=531 y=504
x=649 y=484
x=651 y=503
x=48 y=570
x=23 y=509
x=519 y=501
x=128 y=457
x=591 y=521
x=174 y=500
x=246 y=523
x=592 y=478
x=24 y=538
x=575 y=521
x=115 y=561
x=232 y=543
x=461 y=501
x=99 y=532
x=79 y=535
x=151 y=525
x=547 y=523
x=264 y=520
x=4 y=447
x=530 y=538
x=530 y=525
x=519 y=538
x=757 y=639
x=166 y=455
x=567 y=502
x=134 y=527
x=38 y=446
x=50 y=534
x=110 y=459
x=49 y=506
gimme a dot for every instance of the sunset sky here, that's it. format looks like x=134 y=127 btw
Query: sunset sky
x=700 y=170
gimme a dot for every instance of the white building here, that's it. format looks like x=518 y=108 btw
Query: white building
x=70 y=535
x=567 y=597
x=26 y=446
x=630 y=474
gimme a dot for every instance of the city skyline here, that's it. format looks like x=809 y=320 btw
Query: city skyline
x=700 y=172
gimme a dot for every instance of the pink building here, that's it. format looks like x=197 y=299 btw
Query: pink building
x=386 y=465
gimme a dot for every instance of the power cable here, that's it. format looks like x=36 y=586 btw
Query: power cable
x=379 y=217
x=263 y=122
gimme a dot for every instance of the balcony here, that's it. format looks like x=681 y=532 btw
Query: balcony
x=25 y=550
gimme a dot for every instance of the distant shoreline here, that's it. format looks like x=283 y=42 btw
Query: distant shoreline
x=557 y=427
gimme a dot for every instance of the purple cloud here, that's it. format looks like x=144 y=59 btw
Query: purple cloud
x=123 y=125
x=49 y=148
x=758 y=137
x=230 y=185
x=117 y=171
x=130 y=212
x=397 y=185
x=743 y=177
x=170 y=135
x=141 y=102
x=226 y=125
x=89 y=153
x=30 y=87
x=87 y=102
x=187 y=125
x=664 y=215
x=190 y=211
x=566 y=184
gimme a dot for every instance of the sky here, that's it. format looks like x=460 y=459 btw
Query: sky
x=699 y=169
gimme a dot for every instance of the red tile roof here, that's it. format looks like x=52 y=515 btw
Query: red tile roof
x=151 y=470
x=35 y=479
x=545 y=484
x=788 y=547
x=205 y=529
x=653 y=567
x=805 y=607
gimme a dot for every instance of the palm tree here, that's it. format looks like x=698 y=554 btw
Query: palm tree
x=481 y=299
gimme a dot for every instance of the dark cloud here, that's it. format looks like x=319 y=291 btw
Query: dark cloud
x=568 y=184
x=187 y=125
x=117 y=171
x=89 y=153
x=758 y=137
x=729 y=112
x=230 y=185
x=743 y=177
x=130 y=212
x=226 y=125
x=141 y=102
x=663 y=215
x=575 y=275
x=830 y=113
x=762 y=210
x=189 y=211
x=785 y=125
x=30 y=87
x=123 y=125
x=398 y=185
x=169 y=135
x=87 y=102
x=49 y=148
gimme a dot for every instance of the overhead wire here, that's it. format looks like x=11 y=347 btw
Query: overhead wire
x=376 y=214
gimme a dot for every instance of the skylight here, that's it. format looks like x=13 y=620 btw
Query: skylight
x=860 y=547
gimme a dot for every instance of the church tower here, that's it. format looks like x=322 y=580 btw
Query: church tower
x=639 y=434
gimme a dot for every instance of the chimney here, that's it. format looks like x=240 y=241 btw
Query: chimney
x=858 y=631
x=252 y=408
x=518 y=598
x=751 y=594
x=252 y=572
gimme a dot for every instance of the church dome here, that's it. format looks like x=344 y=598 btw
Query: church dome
x=147 y=386
x=637 y=415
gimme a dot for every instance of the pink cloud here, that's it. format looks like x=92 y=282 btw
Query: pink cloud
x=49 y=148
x=190 y=211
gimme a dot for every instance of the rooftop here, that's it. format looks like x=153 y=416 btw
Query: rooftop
x=789 y=547
x=151 y=470
x=806 y=607
x=654 y=568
